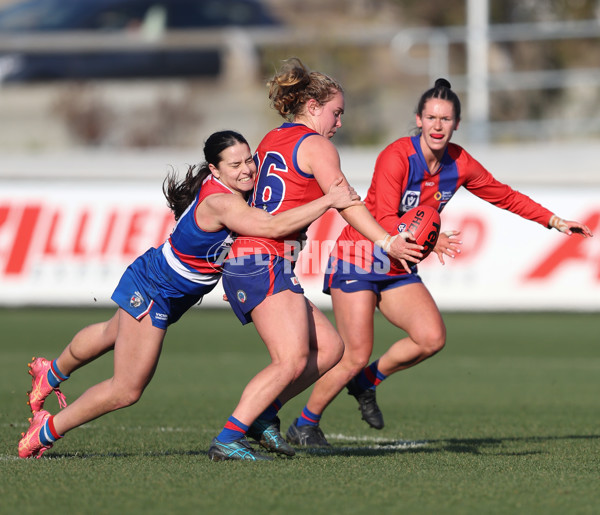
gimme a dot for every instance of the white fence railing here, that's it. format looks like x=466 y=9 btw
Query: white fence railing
x=240 y=46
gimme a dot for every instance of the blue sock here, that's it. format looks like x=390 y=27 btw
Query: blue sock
x=55 y=376
x=48 y=434
x=308 y=418
x=271 y=412
x=233 y=430
x=369 y=377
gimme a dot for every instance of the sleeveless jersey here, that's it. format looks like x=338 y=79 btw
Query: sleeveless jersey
x=193 y=253
x=280 y=185
x=164 y=282
x=401 y=181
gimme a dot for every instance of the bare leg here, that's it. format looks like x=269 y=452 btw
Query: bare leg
x=88 y=344
x=136 y=352
x=409 y=307
x=326 y=349
x=354 y=318
x=290 y=327
x=413 y=309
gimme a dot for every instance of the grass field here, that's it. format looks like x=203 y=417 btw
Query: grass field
x=505 y=420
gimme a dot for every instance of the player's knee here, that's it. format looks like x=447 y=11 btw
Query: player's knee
x=430 y=339
x=355 y=362
x=291 y=368
x=434 y=341
x=127 y=397
x=330 y=353
x=336 y=351
x=356 y=357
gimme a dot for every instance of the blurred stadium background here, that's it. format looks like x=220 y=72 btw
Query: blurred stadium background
x=83 y=158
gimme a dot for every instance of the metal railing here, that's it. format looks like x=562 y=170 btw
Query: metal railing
x=435 y=61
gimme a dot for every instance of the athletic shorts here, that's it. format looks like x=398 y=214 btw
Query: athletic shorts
x=145 y=290
x=248 y=280
x=350 y=278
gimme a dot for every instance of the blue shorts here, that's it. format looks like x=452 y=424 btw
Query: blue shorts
x=144 y=289
x=350 y=278
x=248 y=280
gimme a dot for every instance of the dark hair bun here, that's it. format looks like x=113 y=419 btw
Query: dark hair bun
x=442 y=83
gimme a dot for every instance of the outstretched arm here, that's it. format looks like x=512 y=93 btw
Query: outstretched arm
x=569 y=227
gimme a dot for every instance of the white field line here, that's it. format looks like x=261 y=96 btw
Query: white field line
x=378 y=442
x=189 y=429
x=372 y=443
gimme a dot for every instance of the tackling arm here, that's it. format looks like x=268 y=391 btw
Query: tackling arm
x=233 y=212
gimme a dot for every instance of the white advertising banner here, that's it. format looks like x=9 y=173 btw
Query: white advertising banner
x=67 y=244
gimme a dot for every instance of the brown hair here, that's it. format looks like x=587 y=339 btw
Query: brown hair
x=294 y=85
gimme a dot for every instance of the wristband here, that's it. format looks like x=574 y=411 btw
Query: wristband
x=385 y=244
x=558 y=223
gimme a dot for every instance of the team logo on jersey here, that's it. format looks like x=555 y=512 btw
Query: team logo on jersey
x=410 y=199
x=241 y=296
x=295 y=280
x=136 y=300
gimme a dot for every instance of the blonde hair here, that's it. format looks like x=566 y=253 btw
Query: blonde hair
x=294 y=85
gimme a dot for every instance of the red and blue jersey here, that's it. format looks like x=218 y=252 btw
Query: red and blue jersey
x=402 y=180
x=192 y=252
x=280 y=185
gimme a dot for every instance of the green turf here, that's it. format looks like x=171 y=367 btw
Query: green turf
x=504 y=420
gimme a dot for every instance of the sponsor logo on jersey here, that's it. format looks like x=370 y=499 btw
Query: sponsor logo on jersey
x=160 y=316
x=443 y=195
x=295 y=280
x=136 y=300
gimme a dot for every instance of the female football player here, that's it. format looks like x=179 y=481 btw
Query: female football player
x=422 y=170
x=296 y=162
x=162 y=284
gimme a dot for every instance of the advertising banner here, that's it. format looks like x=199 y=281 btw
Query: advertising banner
x=67 y=244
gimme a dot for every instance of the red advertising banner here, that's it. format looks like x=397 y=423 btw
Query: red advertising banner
x=67 y=243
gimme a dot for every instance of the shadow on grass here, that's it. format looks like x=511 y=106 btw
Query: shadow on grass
x=379 y=447
x=152 y=454
x=475 y=446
